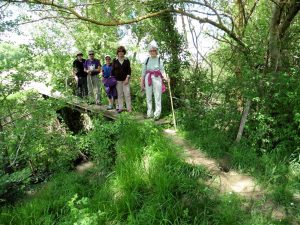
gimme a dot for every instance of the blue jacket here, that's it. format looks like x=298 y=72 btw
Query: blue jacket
x=106 y=69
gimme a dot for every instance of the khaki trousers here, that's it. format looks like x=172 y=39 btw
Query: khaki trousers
x=94 y=88
x=123 y=91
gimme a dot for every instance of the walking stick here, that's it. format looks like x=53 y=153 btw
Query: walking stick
x=172 y=107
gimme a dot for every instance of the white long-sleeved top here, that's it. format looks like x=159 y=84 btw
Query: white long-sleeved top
x=153 y=64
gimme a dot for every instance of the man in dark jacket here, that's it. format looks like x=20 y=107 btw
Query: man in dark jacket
x=80 y=75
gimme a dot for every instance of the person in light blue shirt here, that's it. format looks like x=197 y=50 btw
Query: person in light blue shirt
x=153 y=74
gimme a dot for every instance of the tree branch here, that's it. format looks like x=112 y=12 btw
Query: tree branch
x=220 y=26
x=18 y=149
x=215 y=24
x=242 y=9
x=46 y=18
x=84 y=18
x=224 y=40
x=84 y=5
x=251 y=11
x=292 y=12
x=3 y=5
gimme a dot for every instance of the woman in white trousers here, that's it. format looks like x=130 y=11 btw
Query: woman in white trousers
x=152 y=78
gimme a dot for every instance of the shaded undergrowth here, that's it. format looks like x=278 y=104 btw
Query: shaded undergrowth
x=147 y=183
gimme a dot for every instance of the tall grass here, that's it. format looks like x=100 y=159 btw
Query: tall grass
x=148 y=184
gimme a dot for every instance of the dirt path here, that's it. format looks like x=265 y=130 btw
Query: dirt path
x=226 y=182
x=231 y=181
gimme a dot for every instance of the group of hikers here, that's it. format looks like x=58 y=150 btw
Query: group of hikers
x=116 y=79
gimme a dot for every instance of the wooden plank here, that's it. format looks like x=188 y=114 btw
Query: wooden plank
x=112 y=114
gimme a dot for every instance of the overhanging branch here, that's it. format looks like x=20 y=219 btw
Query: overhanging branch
x=77 y=15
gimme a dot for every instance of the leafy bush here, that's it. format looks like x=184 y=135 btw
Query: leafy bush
x=33 y=140
x=100 y=142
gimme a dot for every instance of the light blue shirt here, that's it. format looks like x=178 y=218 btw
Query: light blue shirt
x=153 y=64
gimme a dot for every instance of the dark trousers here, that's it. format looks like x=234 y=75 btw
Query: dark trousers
x=82 y=90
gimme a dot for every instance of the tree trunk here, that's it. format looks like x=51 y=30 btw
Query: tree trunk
x=243 y=120
x=283 y=15
x=274 y=40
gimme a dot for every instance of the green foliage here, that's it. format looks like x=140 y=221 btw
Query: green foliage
x=50 y=203
x=275 y=126
x=274 y=167
x=100 y=142
x=270 y=143
x=32 y=144
x=7 y=21
x=80 y=213
x=54 y=58
x=142 y=179
x=149 y=184
x=12 y=56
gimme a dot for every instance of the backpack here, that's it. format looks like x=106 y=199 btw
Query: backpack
x=148 y=61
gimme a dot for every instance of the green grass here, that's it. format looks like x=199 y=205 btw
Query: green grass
x=272 y=169
x=149 y=184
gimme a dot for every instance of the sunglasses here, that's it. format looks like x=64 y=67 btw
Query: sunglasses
x=121 y=51
x=152 y=51
x=91 y=54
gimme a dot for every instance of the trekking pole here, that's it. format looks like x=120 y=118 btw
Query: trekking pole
x=172 y=107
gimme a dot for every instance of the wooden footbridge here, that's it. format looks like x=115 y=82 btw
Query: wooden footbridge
x=111 y=114
x=82 y=106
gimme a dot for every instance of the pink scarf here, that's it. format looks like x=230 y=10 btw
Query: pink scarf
x=155 y=73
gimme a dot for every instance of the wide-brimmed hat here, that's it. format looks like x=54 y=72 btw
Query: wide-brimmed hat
x=107 y=56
